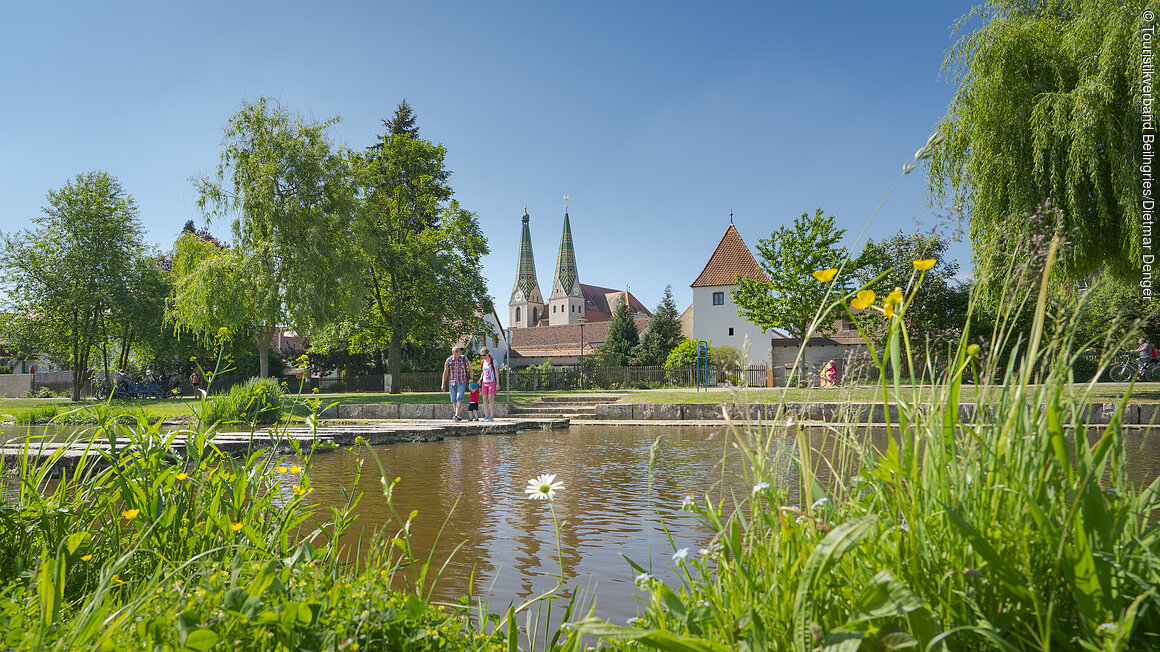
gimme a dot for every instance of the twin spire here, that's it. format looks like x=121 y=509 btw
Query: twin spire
x=566 y=305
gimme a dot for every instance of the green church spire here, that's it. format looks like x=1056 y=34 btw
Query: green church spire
x=526 y=283
x=566 y=278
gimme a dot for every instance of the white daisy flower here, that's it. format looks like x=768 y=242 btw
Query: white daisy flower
x=543 y=487
x=680 y=554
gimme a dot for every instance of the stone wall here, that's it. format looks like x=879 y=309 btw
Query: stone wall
x=15 y=385
x=378 y=411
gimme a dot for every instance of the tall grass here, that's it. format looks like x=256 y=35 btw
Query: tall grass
x=1013 y=527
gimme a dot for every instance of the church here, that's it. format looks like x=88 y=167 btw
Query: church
x=574 y=320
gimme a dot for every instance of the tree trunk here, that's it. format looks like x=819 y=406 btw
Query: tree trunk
x=395 y=362
x=264 y=352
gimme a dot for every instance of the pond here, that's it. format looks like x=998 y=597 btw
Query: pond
x=611 y=509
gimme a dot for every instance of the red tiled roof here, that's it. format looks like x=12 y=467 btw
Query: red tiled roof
x=730 y=259
x=840 y=333
x=563 y=341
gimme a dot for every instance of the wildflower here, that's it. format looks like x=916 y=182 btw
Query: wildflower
x=543 y=487
x=687 y=504
x=302 y=359
x=235 y=527
x=296 y=469
x=895 y=296
x=703 y=551
x=973 y=351
x=760 y=486
x=924 y=264
x=285 y=384
x=824 y=275
x=819 y=502
x=299 y=491
x=1106 y=628
x=223 y=332
x=643 y=580
x=183 y=475
x=359 y=440
x=130 y=514
x=193 y=358
x=86 y=558
x=888 y=309
x=116 y=579
x=314 y=390
x=281 y=469
x=635 y=620
x=863 y=300
x=680 y=554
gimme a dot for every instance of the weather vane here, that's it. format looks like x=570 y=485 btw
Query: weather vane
x=566 y=198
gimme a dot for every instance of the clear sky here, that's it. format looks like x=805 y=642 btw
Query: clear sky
x=658 y=118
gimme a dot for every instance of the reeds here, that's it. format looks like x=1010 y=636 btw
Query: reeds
x=1012 y=526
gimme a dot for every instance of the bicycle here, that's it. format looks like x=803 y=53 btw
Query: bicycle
x=1123 y=371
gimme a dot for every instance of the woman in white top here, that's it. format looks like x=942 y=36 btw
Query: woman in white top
x=488 y=384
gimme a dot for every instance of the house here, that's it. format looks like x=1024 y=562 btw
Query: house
x=841 y=343
x=713 y=316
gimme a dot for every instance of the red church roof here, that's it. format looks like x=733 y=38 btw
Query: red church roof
x=730 y=259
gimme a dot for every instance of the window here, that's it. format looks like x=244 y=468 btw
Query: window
x=517 y=315
x=572 y=307
x=730 y=331
x=718 y=298
x=553 y=309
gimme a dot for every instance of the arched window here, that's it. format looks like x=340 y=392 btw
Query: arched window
x=535 y=315
x=517 y=315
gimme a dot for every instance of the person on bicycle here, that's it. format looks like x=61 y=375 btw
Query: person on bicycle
x=1147 y=354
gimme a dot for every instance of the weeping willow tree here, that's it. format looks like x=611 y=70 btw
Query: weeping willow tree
x=1048 y=111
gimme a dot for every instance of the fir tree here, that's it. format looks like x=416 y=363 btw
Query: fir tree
x=663 y=333
x=622 y=340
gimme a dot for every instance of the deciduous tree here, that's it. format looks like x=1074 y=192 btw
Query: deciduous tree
x=292 y=197
x=791 y=298
x=75 y=268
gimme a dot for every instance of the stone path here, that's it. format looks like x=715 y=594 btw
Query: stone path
x=67 y=454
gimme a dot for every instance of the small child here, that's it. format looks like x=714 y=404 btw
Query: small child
x=473 y=402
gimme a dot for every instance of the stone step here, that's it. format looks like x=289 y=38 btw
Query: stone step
x=592 y=399
x=554 y=409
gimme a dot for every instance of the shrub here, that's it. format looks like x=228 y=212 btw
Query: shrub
x=685 y=355
x=5 y=370
x=256 y=401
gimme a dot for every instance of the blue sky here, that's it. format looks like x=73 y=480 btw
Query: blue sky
x=658 y=118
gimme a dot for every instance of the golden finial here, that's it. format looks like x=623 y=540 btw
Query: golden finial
x=566 y=198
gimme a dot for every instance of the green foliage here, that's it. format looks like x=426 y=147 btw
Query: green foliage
x=663 y=333
x=5 y=370
x=940 y=310
x=36 y=416
x=685 y=354
x=726 y=357
x=1017 y=525
x=790 y=299
x=292 y=196
x=77 y=272
x=1048 y=110
x=256 y=401
x=622 y=340
x=423 y=280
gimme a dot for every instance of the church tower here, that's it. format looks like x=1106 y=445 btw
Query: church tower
x=527 y=304
x=566 y=305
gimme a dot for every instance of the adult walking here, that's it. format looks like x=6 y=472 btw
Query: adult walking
x=488 y=383
x=456 y=370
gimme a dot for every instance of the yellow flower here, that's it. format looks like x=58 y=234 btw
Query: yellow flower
x=973 y=351
x=86 y=557
x=131 y=514
x=888 y=309
x=116 y=579
x=281 y=469
x=924 y=264
x=864 y=300
x=183 y=475
x=235 y=526
x=314 y=390
x=895 y=296
x=824 y=275
x=302 y=359
x=223 y=331
x=193 y=358
x=296 y=469
x=299 y=490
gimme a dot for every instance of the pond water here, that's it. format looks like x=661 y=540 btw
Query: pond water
x=610 y=510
